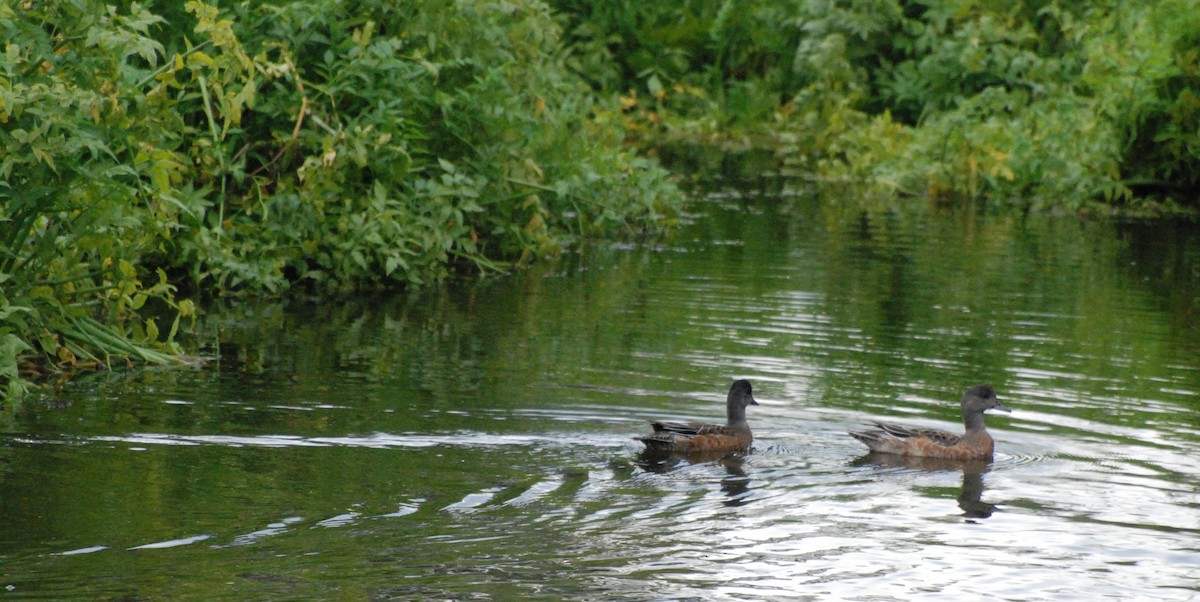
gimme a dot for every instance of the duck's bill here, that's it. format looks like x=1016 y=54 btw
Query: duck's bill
x=1001 y=407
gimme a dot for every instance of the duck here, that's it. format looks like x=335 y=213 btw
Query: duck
x=692 y=437
x=974 y=444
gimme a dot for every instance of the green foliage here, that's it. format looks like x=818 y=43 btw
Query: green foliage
x=78 y=208
x=738 y=52
x=1054 y=103
x=1056 y=107
x=341 y=145
x=1143 y=71
x=361 y=144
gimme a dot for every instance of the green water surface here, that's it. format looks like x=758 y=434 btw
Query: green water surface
x=474 y=441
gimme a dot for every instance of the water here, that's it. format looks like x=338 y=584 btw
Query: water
x=474 y=441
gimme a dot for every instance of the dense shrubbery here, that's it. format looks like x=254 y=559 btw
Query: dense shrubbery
x=436 y=133
x=338 y=145
x=342 y=145
x=1057 y=103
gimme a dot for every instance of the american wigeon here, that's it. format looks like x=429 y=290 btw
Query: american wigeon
x=974 y=444
x=698 y=437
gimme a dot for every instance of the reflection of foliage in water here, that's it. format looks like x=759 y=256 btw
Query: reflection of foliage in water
x=932 y=299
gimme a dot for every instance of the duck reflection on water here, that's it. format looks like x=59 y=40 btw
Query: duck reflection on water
x=969 y=496
x=735 y=485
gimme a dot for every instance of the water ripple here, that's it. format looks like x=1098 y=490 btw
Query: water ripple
x=373 y=441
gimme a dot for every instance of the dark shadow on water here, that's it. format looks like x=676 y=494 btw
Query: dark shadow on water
x=969 y=496
x=735 y=485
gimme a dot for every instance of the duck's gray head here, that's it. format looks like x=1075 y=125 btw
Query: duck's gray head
x=981 y=398
x=740 y=394
x=739 y=399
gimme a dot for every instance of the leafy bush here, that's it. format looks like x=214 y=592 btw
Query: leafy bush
x=716 y=62
x=79 y=204
x=394 y=143
x=1053 y=107
x=1056 y=104
x=342 y=145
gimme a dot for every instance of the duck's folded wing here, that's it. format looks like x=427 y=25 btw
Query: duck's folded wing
x=937 y=436
x=663 y=439
x=691 y=428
